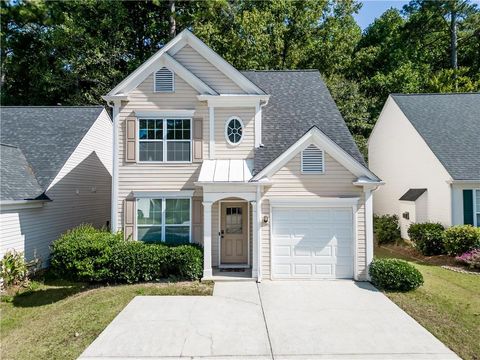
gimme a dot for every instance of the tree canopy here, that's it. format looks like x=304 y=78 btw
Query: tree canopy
x=72 y=52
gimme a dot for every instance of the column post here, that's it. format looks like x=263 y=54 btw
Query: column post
x=207 y=239
x=368 y=226
x=255 y=239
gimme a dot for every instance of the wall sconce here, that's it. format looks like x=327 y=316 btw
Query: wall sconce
x=265 y=219
x=406 y=215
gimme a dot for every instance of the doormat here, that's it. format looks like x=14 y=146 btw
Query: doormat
x=232 y=270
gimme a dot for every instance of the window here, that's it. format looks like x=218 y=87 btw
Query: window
x=164 y=80
x=234 y=131
x=163 y=220
x=312 y=160
x=158 y=137
x=476 y=209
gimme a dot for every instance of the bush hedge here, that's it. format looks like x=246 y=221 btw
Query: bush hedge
x=460 y=239
x=92 y=255
x=427 y=237
x=386 y=228
x=394 y=275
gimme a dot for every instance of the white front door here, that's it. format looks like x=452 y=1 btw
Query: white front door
x=312 y=243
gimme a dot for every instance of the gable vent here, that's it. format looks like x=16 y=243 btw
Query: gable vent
x=312 y=160
x=164 y=80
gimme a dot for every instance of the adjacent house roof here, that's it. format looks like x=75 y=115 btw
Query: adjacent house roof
x=412 y=194
x=450 y=125
x=44 y=137
x=17 y=178
x=299 y=100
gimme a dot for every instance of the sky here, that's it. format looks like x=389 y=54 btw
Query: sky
x=372 y=9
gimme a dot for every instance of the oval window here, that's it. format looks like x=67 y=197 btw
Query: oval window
x=234 y=131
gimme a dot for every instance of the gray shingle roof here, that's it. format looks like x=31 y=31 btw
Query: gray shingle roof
x=46 y=136
x=450 y=125
x=298 y=101
x=412 y=194
x=17 y=179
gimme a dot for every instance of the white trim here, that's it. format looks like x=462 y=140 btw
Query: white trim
x=114 y=207
x=474 y=203
x=185 y=37
x=216 y=196
x=164 y=194
x=259 y=234
x=317 y=137
x=233 y=100
x=21 y=204
x=165 y=113
x=220 y=265
x=207 y=239
x=164 y=141
x=155 y=81
x=211 y=127
x=314 y=202
x=226 y=130
x=258 y=125
x=355 y=242
x=368 y=229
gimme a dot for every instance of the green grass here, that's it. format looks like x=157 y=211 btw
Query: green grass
x=448 y=304
x=58 y=320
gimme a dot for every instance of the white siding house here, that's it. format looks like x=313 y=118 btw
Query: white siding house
x=56 y=174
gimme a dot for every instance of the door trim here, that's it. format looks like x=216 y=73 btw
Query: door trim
x=220 y=265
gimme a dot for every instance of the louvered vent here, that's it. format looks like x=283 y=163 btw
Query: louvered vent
x=164 y=80
x=312 y=160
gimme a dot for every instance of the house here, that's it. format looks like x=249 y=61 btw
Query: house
x=257 y=166
x=56 y=165
x=426 y=147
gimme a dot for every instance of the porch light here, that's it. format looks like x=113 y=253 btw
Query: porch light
x=265 y=219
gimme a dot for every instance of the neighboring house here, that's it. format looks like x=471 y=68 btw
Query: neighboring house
x=56 y=165
x=257 y=166
x=426 y=147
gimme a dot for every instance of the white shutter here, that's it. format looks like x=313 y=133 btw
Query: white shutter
x=164 y=81
x=312 y=160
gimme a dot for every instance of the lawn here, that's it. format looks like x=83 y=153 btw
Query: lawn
x=448 y=304
x=58 y=320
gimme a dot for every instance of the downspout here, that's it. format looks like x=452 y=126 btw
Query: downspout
x=114 y=201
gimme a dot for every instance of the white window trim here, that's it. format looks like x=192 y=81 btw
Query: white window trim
x=155 y=81
x=163 y=225
x=165 y=141
x=474 y=203
x=312 y=172
x=226 y=130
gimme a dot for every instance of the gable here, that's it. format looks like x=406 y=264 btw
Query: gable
x=204 y=70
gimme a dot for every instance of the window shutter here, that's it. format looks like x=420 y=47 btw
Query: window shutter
x=197 y=139
x=164 y=80
x=468 y=207
x=197 y=221
x=130 y=139
x=312 y=160
x=129 y=219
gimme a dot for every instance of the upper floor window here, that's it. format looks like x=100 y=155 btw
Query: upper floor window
x=165 y=140
x=164 y=80
x=313 y=161
x=234 y=130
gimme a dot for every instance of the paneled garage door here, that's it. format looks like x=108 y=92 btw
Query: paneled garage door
x=313 y=243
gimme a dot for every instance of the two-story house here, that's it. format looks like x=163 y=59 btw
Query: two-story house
x=257 y=166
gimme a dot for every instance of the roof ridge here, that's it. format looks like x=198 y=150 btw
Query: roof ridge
x=283 y=70
x=426 y=94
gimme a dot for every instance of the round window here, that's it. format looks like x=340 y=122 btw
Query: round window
x=234 y=131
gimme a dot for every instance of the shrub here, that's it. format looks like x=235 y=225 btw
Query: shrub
x=461 y=238
x=470 y=258
x=386 y=228
x=394 y=274
x=427 y=237
x=88 y=254
x=13 y=268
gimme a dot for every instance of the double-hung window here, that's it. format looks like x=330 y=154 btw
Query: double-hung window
x=165 y=140
x=476 y=207
x=164 y=220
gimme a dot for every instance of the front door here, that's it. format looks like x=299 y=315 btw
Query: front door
x=234 y=233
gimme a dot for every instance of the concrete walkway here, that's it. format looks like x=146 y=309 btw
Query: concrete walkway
x=272 y=320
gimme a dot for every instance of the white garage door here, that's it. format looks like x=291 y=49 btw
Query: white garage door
x=313 y=243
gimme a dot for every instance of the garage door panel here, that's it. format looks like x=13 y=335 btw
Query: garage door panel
x=312 y=243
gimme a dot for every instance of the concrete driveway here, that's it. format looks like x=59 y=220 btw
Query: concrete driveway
x=271 y=320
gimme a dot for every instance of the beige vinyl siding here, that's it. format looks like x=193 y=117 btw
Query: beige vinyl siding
x=244 y=150
x=158 y=177
x=204 y=70
x=289 y=182
x=80 y=195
